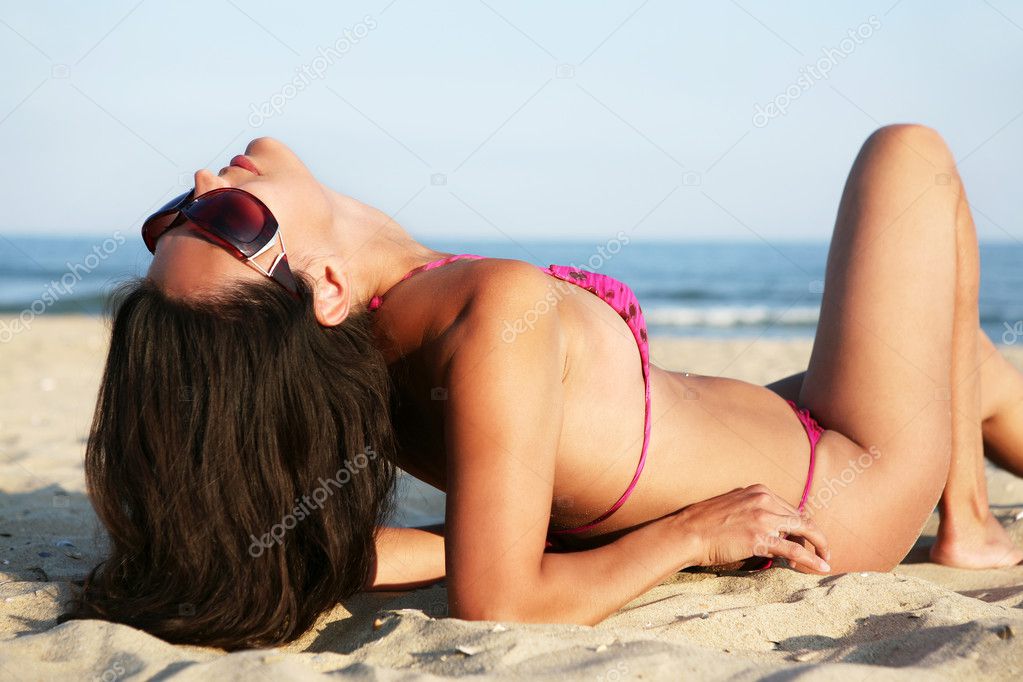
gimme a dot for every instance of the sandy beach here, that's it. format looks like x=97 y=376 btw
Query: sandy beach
x=920 y=622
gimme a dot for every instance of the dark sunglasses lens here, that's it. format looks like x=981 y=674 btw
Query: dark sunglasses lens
x=177 y=202
x=162 y=218
x=158 y=223
x=235 y=215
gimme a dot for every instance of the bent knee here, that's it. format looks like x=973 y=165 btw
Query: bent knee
x=917 y=141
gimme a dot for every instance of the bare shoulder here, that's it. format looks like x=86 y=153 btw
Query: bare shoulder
x=500 y=281
x=439 y=309
x=506 y=299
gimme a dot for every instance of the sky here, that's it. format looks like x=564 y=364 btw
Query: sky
x=492 y=119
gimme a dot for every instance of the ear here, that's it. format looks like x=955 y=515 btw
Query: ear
x=332 y=298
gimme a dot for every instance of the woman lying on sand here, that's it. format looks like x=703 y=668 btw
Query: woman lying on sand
x=250 y=419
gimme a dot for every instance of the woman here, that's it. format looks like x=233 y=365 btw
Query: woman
x=242 y=454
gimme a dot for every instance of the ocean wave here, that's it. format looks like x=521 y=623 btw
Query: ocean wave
x=722 y=317
x=90 y=304
x=683 y=294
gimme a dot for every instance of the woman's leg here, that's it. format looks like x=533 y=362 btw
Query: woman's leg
x=969 y=535
x=893 y=358
x=1001 y=404
x=1001 y=408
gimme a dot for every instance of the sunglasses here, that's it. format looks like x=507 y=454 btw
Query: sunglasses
x=233 y=219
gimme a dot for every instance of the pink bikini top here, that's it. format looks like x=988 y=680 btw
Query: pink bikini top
x=622 y=299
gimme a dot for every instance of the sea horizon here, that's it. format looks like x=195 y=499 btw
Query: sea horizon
x=724 y=288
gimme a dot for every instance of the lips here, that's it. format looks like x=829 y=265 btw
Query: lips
x=244 y=162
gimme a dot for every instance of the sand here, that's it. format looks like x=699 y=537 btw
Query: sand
x=920 y=622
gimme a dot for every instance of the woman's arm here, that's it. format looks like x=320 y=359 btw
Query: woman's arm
x=586 y=587
x=407 y=558
x=745 y=522
x=503 y=420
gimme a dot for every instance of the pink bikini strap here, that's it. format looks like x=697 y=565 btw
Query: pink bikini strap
x=623 y=300
x=376 y=301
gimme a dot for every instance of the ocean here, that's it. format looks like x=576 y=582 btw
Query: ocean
x=708 y=289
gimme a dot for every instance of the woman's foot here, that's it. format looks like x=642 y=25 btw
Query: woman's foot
x=975 y=543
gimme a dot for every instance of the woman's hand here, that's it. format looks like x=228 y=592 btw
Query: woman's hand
x=749 y=522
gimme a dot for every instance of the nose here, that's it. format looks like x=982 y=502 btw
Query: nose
x=205 y=181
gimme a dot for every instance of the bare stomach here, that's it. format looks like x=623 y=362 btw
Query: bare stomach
x=711 y=435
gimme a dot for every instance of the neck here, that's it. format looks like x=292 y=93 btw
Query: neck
x=377 y=250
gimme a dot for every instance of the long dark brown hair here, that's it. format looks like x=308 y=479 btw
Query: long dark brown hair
x=240 y=460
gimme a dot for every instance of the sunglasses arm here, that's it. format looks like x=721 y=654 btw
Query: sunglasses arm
x=252 y=259
x=270 y=244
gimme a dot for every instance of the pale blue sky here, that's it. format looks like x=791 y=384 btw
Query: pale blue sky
x=647 y=126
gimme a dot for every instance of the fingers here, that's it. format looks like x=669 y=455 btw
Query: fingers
x=808 y=530
x=792 y=520
x=811 y=532
x=764 y=521
x=766 y=498
x=775 y=527
x=795 y=553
